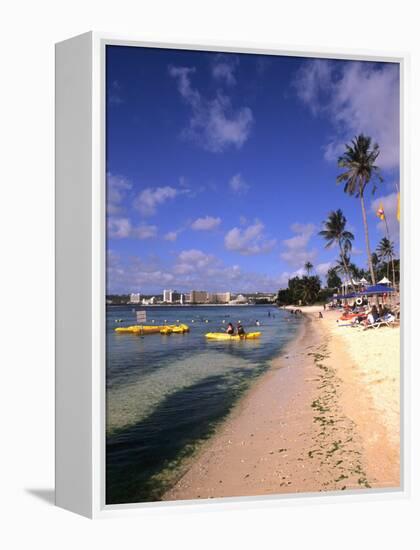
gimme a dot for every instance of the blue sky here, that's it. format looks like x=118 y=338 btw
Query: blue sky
x=222 y=167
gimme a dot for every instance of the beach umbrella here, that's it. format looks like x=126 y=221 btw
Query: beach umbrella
x=377 y=289
x=384 y=281
x=363 y=281
x=351 y=295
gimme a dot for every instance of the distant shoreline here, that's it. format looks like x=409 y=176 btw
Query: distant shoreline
x=193 y=305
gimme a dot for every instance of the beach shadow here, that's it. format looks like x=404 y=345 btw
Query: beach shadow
x=47 y=495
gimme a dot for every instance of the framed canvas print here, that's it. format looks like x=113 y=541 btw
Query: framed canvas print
x=230 y=274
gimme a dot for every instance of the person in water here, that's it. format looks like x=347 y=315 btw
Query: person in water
x=230 y=329
x=240 y=329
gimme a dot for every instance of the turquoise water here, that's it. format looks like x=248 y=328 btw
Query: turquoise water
x=166 y=394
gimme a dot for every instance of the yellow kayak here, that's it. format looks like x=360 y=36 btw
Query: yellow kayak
x=235 y=337
x=152 y=329
x=175 y=330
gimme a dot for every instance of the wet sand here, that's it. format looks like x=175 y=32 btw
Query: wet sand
x=323 y=418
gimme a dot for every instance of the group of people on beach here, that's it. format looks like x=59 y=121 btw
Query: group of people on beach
x=367 y=314
x=378 y=313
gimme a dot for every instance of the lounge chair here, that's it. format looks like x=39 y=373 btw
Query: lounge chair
x=382 y=322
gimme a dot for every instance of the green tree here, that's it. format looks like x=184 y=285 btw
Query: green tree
x=283 y=297
x=342 y=268
x=385 y=252
x=335 y=232
x=295 y=289
x=384 y=268
x=356 y=272
x=359 y=166
x=333 y=280
x=375 y=263
x=310 y=287
x=301 y=290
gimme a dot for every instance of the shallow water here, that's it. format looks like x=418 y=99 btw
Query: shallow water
x=166 y=394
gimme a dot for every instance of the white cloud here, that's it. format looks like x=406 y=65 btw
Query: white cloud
x=333 y=150
x=196 y=257
x=193 y=261
x=322 y=269
x=312 y=79
x=249 y=241
x=238 y=185
x=389 y=203
x=357 y=97
x=286 y=275
x=117 y=189
x=148 y=199
x=214 y=124
x=206 y=224
x=135 y=274
x=319 y=269
x=192 y=269
x=119 y=228
x=171 y=236
x=144 y=231
x=224 y=67
x=296 y=251
x=122 y=228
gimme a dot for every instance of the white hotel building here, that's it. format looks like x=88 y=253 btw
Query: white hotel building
x=135 y=298
x=167 y=296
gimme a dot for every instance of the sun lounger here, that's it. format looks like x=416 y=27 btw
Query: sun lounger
x=377 y=324
x=382 y=322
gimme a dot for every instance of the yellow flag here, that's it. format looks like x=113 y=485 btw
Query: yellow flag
x=398 y=208
x=381 y=212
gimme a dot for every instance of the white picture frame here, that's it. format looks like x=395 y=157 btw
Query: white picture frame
x=80 y=275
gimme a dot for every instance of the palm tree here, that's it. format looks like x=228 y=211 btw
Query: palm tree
x=355 y=271
x=308 y=267
x=375 y=262
x=359 y=166
x=342 y=267
x=385 y=252
x=335 y=232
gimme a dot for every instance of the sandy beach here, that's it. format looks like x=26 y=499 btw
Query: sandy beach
x=325 y=417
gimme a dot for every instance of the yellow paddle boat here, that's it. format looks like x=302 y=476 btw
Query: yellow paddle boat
x=235 y=337
x=152 y=329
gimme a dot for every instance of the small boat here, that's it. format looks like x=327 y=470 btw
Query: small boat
x=178 y=329
x=235 y=337
x=152 y=329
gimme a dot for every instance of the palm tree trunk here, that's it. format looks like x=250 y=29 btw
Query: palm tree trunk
x=393 y=270
x=372 y=273
x=346 y=267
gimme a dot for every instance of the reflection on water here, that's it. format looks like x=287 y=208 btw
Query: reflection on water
x=165 y=394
